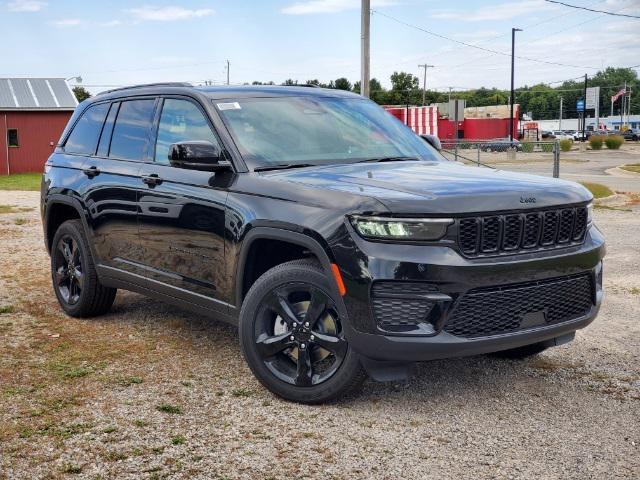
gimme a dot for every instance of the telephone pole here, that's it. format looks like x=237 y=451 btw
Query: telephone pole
x=227 y=72
x=584 y=107
x=365 y=22
x=560 y=123
x=424 y=82
x=513 y=94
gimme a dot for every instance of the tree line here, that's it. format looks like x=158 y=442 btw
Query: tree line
x=542 y=100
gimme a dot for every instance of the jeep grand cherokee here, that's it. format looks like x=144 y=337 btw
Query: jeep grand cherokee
x=341 y=243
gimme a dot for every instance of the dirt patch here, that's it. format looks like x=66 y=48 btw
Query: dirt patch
x=149 y=391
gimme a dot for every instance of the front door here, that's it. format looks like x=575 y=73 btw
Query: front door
x=182 y=212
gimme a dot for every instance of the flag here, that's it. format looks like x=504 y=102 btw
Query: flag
x=618 y=95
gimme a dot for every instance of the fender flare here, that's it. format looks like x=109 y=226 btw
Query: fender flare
x=58 y=198
x=272 y=233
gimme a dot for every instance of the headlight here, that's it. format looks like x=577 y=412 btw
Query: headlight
x=401 y=228
x=589 y=215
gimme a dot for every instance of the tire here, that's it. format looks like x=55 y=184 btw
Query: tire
x=521 y=353
x=275 y=339
x=73 y=274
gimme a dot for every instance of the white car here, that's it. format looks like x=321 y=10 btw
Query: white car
x=562 y=135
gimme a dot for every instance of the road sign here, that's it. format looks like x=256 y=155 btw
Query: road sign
x=580 y=105
x=593 y=97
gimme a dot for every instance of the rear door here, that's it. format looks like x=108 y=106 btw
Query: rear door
x=182 y=212
x=114 y=183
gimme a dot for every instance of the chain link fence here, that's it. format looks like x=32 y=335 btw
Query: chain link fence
x=504 y=154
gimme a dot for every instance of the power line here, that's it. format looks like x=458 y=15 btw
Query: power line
x=429 y=32
x=592 y=10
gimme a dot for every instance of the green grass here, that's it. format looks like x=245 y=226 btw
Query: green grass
x=607 y=207
x=633 y=167
x=167 y=408
x=598 y=190
x=178 y=440
x=7 y=309
x=20 y=221
x=21 y=181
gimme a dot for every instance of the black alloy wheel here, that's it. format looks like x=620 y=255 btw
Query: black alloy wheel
x=299 y=336
x=292 y=335
x=68 y=271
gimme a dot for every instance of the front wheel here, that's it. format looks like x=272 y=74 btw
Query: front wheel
x=292 y=335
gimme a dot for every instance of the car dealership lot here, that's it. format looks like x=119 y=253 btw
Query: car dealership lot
x=149 y=390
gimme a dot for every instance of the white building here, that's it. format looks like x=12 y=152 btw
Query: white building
x=611 y=123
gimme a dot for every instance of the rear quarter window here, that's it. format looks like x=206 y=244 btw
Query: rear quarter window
x=83 y=139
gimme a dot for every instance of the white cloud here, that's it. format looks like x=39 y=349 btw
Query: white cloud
x=26 y=5
x=503 y=11
x=329 y=6
x=167 y=14
x=66 y=22
x=111 y=23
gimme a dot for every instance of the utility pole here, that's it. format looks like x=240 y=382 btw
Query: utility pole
x=622 y=99
x=227 y=72
x=584 y=107
x=560 y=122
x=424 y=82
x=364 y=47
x=450 y=94
x=512 y=99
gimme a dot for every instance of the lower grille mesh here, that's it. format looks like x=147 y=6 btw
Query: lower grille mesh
x=393 y=312
x=497 y=310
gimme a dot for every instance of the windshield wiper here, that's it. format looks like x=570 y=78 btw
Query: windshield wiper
x=387 y=159
x=282 y=166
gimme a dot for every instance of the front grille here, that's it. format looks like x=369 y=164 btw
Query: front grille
x=497 y=310
x=392 y=312
x=510 y=233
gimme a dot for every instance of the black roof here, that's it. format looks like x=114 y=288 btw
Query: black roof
x=225 y=92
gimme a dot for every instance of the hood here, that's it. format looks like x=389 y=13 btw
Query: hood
x=439 y=187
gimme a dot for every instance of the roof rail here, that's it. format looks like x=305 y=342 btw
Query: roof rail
x=144 y=85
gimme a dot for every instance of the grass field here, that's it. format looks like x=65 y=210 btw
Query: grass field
x=633 y=167
x=598 y=190
x=21 y=181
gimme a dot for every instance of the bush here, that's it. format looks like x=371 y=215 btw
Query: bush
x=596 y=142
x=565 y=145
x=527 y=147
x=613 y=142
x=547 y=147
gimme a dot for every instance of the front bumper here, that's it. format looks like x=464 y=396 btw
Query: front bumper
x=363 y=263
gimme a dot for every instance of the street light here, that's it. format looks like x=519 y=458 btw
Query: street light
x=513 y=49
x=78 y=79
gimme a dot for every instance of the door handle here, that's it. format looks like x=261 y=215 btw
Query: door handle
x=152 y=180
x=91 y=172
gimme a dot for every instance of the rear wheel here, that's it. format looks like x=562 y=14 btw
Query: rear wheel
x=292 y=335
x=73 y=273
x=521 y=353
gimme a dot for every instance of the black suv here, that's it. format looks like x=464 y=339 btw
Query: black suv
x=341 y=243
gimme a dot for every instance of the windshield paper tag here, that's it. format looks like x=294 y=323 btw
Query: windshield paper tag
x=229 y=106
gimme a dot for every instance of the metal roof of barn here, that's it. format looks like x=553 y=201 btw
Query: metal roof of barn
x=36 y=94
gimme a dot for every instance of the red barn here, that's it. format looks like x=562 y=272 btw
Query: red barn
x=33 y=114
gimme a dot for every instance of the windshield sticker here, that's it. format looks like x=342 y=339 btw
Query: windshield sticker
x=229 y=106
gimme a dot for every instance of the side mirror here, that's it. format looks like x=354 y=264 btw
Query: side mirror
x=432 y=140
x=197 y=155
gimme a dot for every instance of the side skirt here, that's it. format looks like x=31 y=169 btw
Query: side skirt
x=194 y=302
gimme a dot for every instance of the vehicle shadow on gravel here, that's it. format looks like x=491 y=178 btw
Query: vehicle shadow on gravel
x=433 y=382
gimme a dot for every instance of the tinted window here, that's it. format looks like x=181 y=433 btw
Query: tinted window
x=105 y=136
x=180 y=121
x=131 y=131
x=84 y=136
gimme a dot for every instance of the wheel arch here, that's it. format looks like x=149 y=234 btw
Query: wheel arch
x=58 y=209
x=304 y=241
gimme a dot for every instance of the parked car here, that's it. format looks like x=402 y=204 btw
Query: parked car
x=561 y=135
x=501 y=145
x=338 y=240
x=631 y=134
x=546 y=134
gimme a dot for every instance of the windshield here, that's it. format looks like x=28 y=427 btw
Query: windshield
x=317 y=131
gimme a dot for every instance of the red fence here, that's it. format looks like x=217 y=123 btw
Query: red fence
x=422 y=120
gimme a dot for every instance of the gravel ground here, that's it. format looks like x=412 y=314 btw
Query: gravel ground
x=149 y=391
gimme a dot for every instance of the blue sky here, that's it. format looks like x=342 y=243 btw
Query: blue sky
x=125 y=42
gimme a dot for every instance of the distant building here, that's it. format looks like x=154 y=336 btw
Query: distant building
x=610 y=123
x=33 y=114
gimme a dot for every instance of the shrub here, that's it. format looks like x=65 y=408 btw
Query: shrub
x=565 y=145
x=613 y=142
x=527 y=147
x=547 y=147
x=596 y=142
